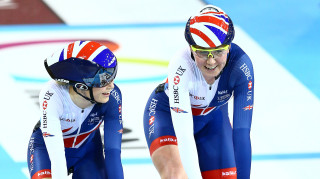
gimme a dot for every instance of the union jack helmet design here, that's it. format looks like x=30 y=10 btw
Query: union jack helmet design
x=210 y=28
x=83 y=62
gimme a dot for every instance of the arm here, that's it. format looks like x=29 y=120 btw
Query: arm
x=243 y=107
x=52 y=134
x=183 y=120
x=113 y=135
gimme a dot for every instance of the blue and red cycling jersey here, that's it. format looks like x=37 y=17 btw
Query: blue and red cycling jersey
x=187 y=107
x=69 y=137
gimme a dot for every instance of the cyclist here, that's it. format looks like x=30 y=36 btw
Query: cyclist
x=186 y=120
x=73 y=105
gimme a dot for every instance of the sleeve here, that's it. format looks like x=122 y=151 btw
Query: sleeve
x=113 y=129
x=242 y=116
x=51 y=107
x=182 y=119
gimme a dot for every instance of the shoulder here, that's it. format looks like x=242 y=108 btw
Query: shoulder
x=237 y=56
x=182 y=58
x=239 y=65
x=182 y=64
x=50 y=87
x=115 y=96
x=51 y=100
x=52 y=91
x=116 y=93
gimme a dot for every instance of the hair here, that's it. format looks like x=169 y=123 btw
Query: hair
x=62 y=83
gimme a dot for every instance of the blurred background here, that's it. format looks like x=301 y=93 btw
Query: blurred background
x=281 y=38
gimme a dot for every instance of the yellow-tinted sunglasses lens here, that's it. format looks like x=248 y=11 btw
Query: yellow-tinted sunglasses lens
x=205 y=53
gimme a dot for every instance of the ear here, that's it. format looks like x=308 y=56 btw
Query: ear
x=81 y=86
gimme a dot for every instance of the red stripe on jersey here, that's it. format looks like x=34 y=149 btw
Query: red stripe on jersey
x=68 y=142
x=88 y=50
x=196 y=111
x=211 y=20
x=226 y=173
x=203 y=36
x=201 y=111
x=46 y=173
x=196 y=105
x=82 y=137
x=162 y=141
x=207 y=110
x=70 y=50
x=66 y=130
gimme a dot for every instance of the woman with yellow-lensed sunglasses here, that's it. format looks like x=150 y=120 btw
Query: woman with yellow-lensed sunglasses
x=186 y=120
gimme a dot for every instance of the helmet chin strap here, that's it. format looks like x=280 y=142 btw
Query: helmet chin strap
x=91 y=99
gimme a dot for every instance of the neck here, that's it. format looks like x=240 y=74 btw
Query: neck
x=210 y=80
x=79 y=100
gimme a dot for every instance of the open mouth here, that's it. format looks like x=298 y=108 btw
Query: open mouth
x=106 y=94
x=211 y=68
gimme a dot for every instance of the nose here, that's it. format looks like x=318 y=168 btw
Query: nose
x=211 y=59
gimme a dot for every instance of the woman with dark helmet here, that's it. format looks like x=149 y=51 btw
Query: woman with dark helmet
x=73 y=105
x=186 y=120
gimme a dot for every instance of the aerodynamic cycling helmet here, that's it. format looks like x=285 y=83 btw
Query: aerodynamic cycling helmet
x=210 y=28
x=84 y=65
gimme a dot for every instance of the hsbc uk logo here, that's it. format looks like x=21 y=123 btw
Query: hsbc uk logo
x=116 y=95
x=151 y=125
x=44 y=105
x=176 y=81
x=152 y=112
x=246 y=71
x=152 y=107
x=249 y=93
x=250 y=85
x=176 y=94
x=46 y=98
x=120 y=114
x=151 y=120
x=180 y=71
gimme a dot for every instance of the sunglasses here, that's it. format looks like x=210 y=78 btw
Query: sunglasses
x=205 y=53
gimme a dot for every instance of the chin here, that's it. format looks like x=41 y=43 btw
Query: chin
x=103 y=100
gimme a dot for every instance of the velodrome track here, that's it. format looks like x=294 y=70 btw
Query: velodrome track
x=144 y=36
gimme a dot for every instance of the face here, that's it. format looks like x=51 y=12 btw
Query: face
x=101 y=95
x=210 y=63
